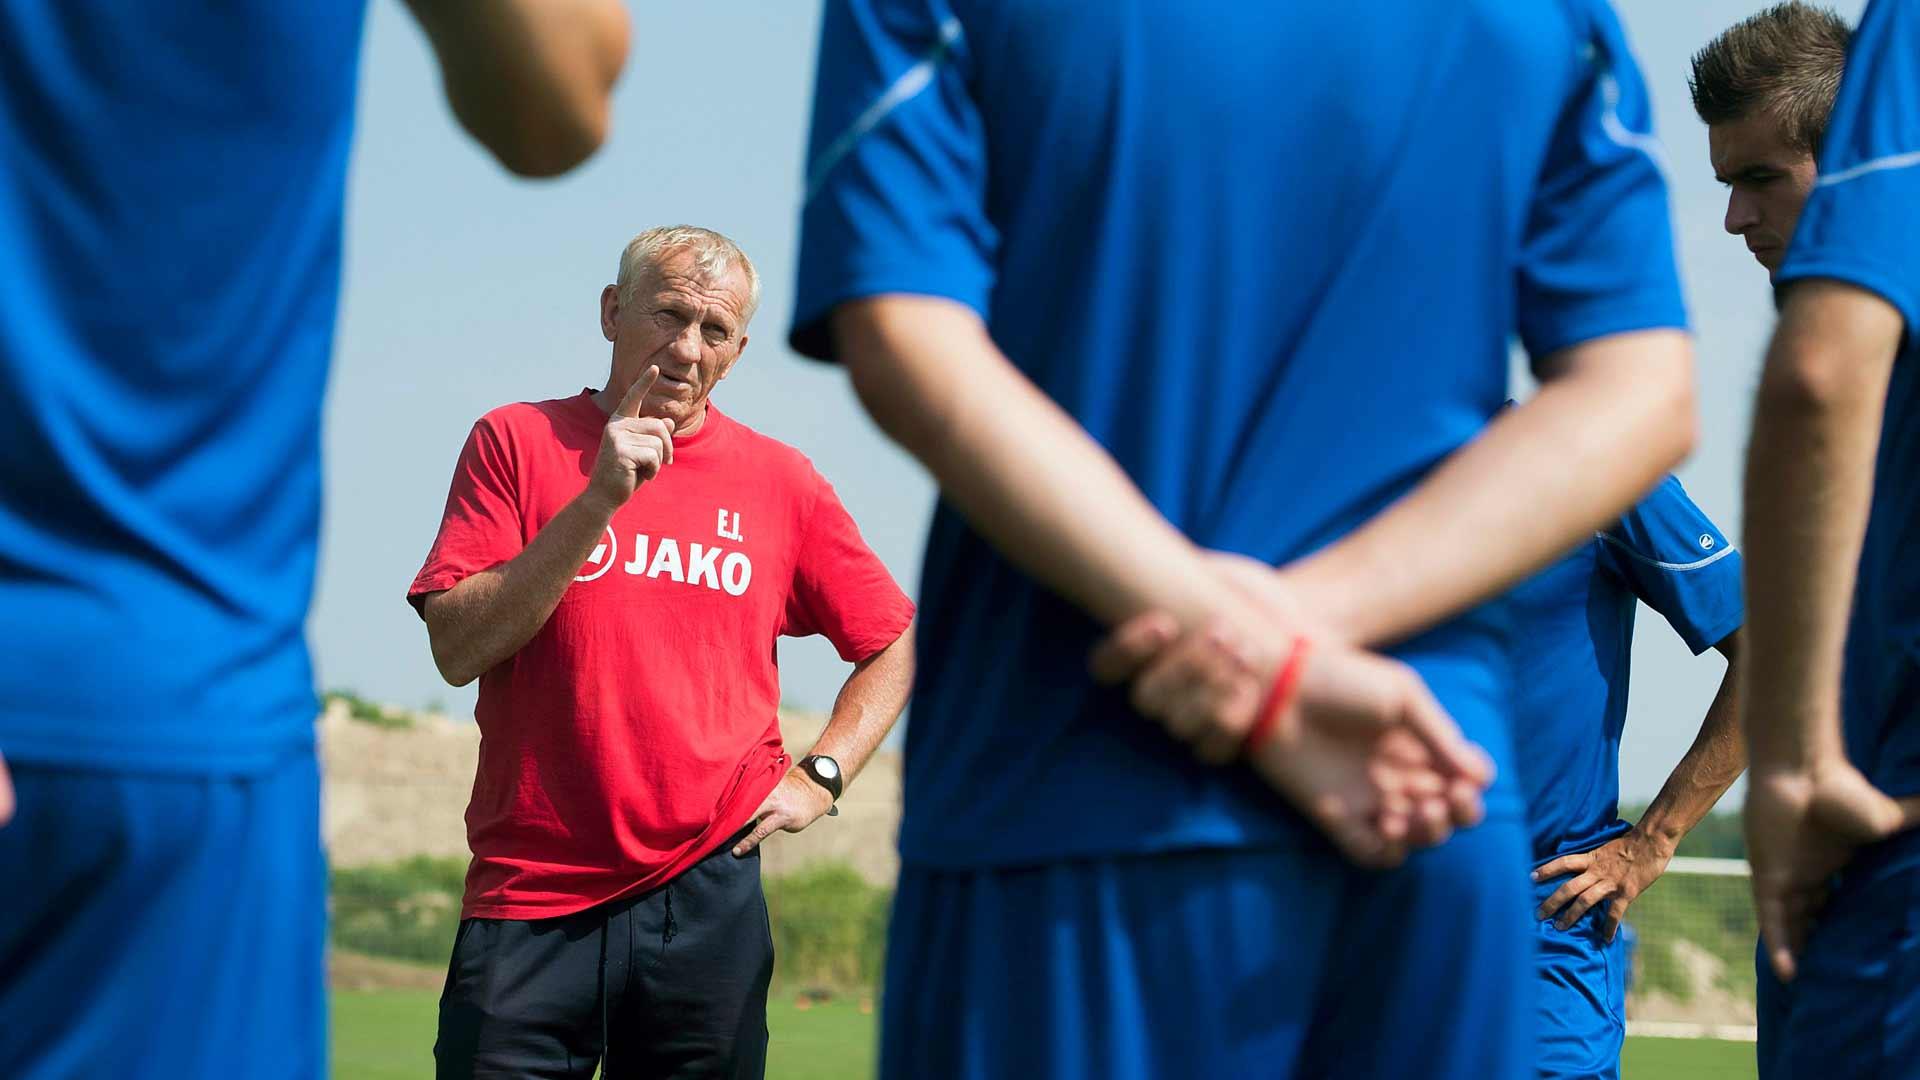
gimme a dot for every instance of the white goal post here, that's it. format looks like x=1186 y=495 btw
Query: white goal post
x=1691 y=969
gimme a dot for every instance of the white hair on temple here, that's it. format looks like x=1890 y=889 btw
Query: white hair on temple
x=713 y=256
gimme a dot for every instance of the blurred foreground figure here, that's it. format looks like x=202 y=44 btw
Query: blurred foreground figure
x=170 y=220
x=1832 y=697
x=1153 y=288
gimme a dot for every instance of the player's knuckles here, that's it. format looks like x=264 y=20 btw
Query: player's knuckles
x=1216 y=708
x=1214 y=750
x=641 y=446
x=1158 y=692
x=1144 y=696
x=1116 y=658
x=1177 y=722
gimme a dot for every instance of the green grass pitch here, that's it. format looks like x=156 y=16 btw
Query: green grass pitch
x=388 y=1035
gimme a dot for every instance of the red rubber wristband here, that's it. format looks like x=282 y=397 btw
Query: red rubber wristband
x=1267 y=724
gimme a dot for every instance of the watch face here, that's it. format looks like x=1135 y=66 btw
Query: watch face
x=826 y=767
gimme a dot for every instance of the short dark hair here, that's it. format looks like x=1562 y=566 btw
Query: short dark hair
x=1785 y=61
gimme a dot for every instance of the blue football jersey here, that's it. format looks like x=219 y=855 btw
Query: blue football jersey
x=170 y=220
x=1572 y=653
x=1271 y=256
x=1862 y=225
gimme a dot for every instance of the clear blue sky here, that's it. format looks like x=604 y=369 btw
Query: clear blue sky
x=466 y=290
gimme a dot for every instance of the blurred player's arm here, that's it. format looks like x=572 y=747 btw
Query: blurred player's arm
x=863 y=713
x=1809 y=484
x=530 y=79
x=1617 y=872
x=1025 y=473
x=1809 y=490
x=1612 y=416
x=6 y=793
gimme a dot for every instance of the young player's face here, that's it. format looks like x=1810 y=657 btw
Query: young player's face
x=689 y=327
x=1767 y=183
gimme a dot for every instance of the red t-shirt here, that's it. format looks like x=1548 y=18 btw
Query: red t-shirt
x=638 y=729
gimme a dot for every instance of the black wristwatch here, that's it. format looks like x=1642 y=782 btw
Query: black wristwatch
x=824 y=771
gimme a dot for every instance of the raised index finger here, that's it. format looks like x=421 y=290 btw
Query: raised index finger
x=629 y=406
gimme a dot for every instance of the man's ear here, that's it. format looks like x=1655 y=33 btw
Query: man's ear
x=609 y=310
x=728 y=366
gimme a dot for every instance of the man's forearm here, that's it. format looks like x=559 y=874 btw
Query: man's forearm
x=1542 y=476
x=1705 y=772
x=1809 y=487
x=867 y=706
x=1026 y=476
x=490 y=615
x=530 y=79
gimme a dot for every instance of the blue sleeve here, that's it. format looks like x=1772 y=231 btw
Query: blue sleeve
x=1862 y=222
x=1679 y=562
x=896 y=166
x=1597 y=257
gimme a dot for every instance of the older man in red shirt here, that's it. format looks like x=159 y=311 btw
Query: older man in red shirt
x=615 y=567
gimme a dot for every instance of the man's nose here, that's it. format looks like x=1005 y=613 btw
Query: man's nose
x=686 y=347
x=1741 y=214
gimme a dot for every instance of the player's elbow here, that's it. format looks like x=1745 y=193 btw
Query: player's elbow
x=539 y=143
x=539 y=95
x=1804 y=376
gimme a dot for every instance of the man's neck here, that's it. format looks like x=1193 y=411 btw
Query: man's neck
x=693 y=423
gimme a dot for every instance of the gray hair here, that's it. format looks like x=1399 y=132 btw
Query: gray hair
x=713 y=257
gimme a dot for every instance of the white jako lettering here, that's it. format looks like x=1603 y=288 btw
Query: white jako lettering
x=638 y=565
x=736 y=563
x=700 y=566
x=666 y=558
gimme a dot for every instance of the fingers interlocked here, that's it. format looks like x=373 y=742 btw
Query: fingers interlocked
x=1363 y=751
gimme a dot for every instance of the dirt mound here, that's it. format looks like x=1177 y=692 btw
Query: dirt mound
x=400 y=789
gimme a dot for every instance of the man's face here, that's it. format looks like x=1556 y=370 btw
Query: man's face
x=1767 y=180
x=691 y=328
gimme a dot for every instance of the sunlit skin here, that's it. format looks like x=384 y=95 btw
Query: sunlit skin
x=1767 y=179
x=691 y=328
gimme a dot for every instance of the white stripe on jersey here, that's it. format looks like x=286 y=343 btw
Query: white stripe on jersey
x=910 y=83
x=1879 y=164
